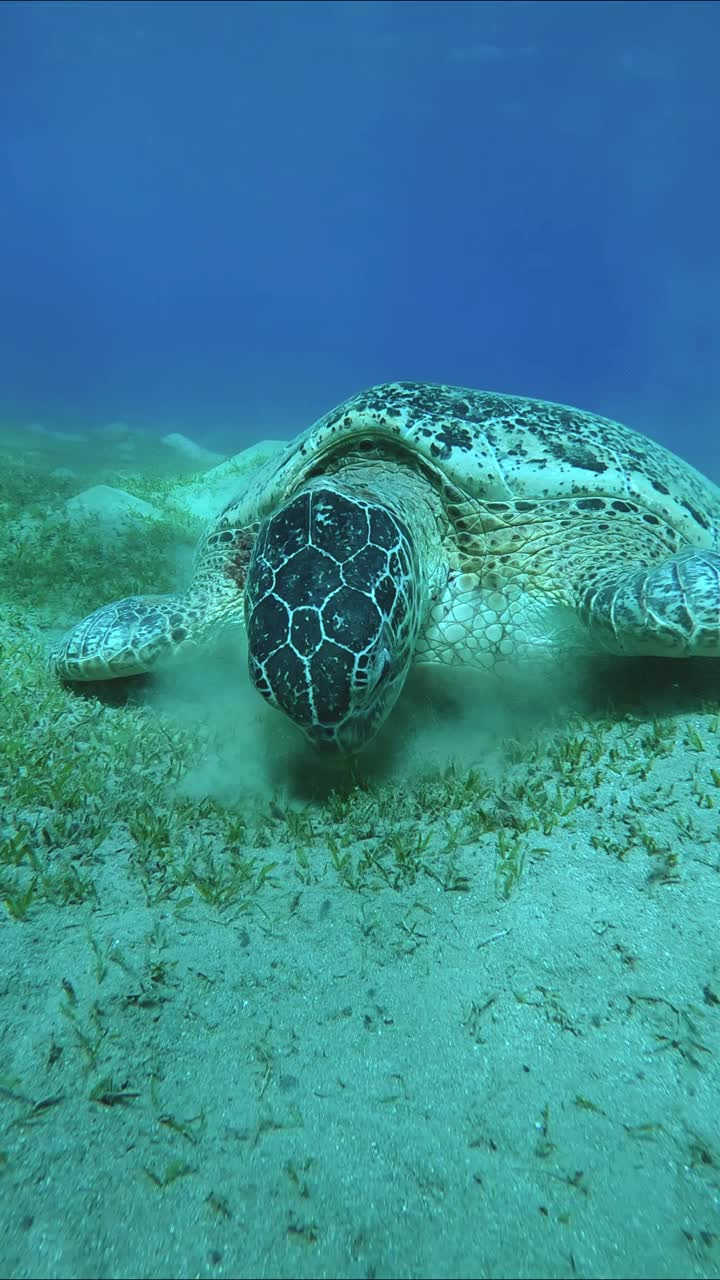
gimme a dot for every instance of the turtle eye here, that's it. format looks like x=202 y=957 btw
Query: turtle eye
x=385 y=665
x=380 y=668
x=373 y=670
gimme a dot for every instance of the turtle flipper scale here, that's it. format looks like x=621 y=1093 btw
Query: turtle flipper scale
x=668 y=609
x=127 y=638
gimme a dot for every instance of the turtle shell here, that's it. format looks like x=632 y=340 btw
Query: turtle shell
x=495 y=447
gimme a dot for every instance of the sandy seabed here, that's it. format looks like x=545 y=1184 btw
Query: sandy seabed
x=453 y=1013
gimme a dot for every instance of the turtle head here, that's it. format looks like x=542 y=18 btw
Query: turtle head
x=332 y=608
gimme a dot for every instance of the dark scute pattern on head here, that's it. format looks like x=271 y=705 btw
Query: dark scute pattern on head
x=331 y=669
x=399 y=610
x=286 y=533
x=385 y=593
x=397 y=564
x=307 y=578
x=350 y=614
x=271 y=629
x=285 y=674
x=367 y=566
x=264 y=576
x=324 y=597
x=340 y=534
x=305 y=632
x=384 y=528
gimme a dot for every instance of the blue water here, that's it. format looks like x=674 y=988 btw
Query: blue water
x=225 y=217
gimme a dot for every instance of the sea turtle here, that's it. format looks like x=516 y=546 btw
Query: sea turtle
x=420 y=523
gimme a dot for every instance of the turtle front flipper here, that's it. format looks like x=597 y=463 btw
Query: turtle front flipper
x=138 y=634
x=129 y=637
x=668 y=609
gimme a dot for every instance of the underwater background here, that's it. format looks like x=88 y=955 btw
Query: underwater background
x=452 y=1008
x=227 y=217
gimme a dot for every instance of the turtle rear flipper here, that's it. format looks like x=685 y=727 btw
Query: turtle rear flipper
x=129 y=637
x=669 y=609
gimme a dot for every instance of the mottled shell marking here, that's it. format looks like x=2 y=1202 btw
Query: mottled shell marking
x=496 y=447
